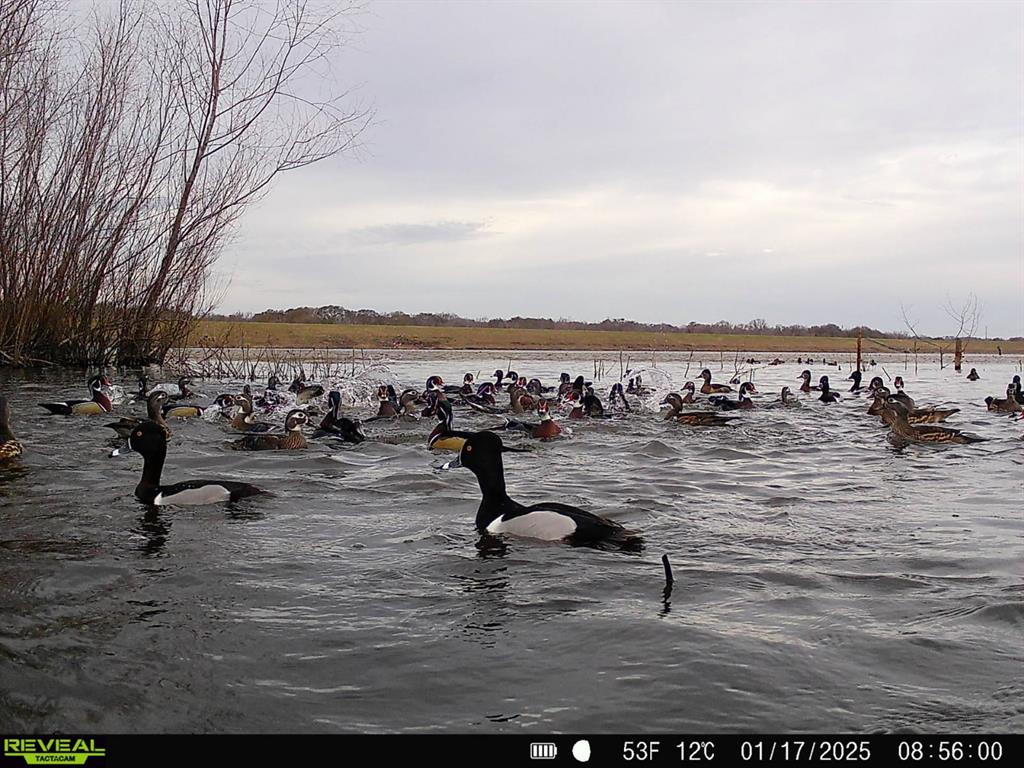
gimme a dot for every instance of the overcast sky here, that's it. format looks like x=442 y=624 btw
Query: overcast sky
x=798 y=162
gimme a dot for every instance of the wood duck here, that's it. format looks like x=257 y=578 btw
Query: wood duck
x=10 y=448
x=895 y=415
x=291 y=440
x=711 y=389
x=99 y=403
x=154 y=410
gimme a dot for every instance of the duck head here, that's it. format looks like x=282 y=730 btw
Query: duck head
x=705 y=374
x=854 y=377
x=273 y=381
x=805 y=376
x=898 y=382
x=295 y=420
x=875 y=383
x=435 y=384
x=823 y=383
x=148 y=440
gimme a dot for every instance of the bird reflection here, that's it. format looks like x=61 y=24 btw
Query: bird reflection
x=155 y=530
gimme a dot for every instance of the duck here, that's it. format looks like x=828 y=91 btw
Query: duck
x=575 y=405
x=928 y=415
x=513 y=379
x=973 y=375
x=444 y=436
x=1017 y=394
x=334 y=424
x=743 y=401
x=855 y=377
x=291 y=440
x=154 y=410
x=875 y=384
x=142 y=393
x=467 y=388
x=537 y=389
x=827 y=395
x=1008 y=404
x=244 y=419
x=579 y=387
x=617 y=398
x=806 y=387
x=271 y=397
x=99 y=403
x=564 y=384
x=786 y=400
x=10 y=448
x=710 y=389
x=547 y=429
x=902 y=396
x=498 y=514
x=593 y=406
x=675 y=401
x=182 y=411
x=149 y=441
x=388 y=400
x=303 y=391
x=183 y=393
x=895 y=415
x=699 y=418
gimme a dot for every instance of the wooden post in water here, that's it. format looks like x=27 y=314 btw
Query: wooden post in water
x=958 y=355
x=915 y=358
x=860 y=341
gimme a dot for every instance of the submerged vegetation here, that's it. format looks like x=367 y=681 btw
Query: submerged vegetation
x=131 y=140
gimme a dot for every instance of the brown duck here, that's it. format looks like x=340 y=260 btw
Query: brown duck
x=154 y=410
x=10 y=448
x=895 y=415
x=712 y=389
x=291 y=440
x=929 y=415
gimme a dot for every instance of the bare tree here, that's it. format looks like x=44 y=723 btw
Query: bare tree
x=965 y=317
x=124 y=174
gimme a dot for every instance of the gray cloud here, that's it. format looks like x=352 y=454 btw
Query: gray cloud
x=666 y=161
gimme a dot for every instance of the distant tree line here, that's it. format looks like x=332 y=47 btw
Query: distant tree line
x=340 y=315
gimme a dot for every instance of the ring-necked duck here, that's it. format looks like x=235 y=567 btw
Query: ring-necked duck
x=548 y=521
x=99 y=403
x=9 y=446
x=711 y=389
x=895 y=415
x=855 y=377
x=336 y=425
x=291 y=440
x=827 y=395
x=149 y=441
x=973 y=375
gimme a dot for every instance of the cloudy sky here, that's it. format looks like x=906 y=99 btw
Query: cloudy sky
x=798 y=162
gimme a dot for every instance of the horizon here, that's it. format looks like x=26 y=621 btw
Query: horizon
x=664 y=162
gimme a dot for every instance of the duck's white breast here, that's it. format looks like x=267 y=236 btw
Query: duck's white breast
x=550 y=526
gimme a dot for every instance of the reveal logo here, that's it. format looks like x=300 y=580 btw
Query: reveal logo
x=53 y=751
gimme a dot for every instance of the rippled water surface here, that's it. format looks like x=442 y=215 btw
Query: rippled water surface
x=825 y=578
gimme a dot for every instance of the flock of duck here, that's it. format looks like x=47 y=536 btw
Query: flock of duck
x=481 y=452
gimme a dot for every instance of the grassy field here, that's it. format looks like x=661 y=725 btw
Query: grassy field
x=224 y=333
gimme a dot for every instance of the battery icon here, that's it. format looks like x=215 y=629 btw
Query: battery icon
x=543 y=750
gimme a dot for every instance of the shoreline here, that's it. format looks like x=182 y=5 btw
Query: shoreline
x=226 y=334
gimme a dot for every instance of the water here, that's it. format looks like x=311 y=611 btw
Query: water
x=825 y=579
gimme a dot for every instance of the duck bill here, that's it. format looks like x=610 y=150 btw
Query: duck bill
x=454 y=463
